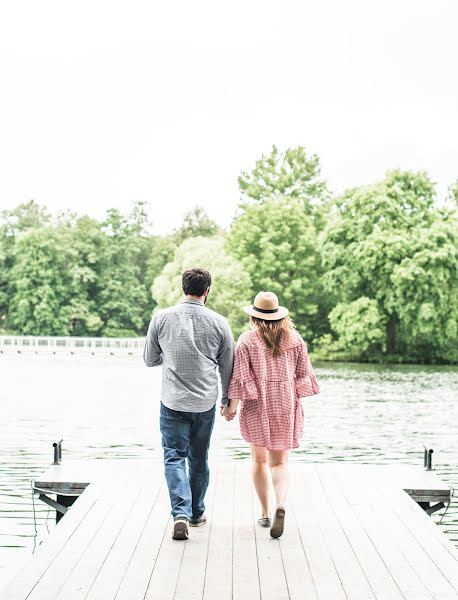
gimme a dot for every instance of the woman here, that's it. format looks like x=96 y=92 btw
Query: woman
x=272 y=371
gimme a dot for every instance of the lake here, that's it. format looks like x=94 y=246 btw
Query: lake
x=107 y=407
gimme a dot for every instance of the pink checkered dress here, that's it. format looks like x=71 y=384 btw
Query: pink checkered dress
x=271 y=414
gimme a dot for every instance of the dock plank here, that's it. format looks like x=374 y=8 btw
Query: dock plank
x=83 y=558
x=297 y=569
x=191 y=578
x=351 y=575
x=432 y=560
x=373 y=515
x=378 y=576
x=166 y=569
x=325 y=576
x=352 y=532
x=218 y=574
x=138 y=573
x=245 y=578
x=110 y=575
x=71 y=527
x=272 y=578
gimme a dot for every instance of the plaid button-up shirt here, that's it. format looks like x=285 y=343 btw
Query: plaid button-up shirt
x=192 y=343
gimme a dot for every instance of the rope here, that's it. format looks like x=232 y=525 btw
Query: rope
x=452 y=493
x=34 y=520
x=48 y=491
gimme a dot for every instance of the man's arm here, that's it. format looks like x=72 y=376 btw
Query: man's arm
x=152 y=354
x=225 y=360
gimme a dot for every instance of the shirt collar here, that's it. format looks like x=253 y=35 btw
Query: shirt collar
x=191 y=301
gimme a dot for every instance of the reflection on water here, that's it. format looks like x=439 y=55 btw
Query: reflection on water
x=107 y=407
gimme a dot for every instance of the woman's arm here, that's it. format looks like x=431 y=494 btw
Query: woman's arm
x=306 y=382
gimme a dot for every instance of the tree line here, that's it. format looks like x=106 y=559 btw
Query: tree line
x=370 y=274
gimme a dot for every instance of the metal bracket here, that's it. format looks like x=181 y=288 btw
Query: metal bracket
x=53 y=504
x=431 y=508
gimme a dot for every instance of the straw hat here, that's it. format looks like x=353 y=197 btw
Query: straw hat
x=266 y=307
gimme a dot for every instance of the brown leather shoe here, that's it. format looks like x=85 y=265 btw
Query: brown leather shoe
x=180 y=529
x=198 y=522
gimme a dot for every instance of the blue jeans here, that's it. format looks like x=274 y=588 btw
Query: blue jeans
x=186 y=435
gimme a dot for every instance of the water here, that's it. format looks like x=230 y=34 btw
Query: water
x=107 y=407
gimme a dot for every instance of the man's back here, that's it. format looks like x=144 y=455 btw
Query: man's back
x=191 y=342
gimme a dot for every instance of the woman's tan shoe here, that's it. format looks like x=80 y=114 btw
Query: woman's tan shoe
x=279 y=523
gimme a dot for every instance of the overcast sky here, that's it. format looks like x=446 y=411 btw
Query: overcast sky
x=103 y=103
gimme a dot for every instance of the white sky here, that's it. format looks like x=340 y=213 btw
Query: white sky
x=103 y=103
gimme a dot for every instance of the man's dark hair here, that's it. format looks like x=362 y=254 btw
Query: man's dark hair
x=196 y=282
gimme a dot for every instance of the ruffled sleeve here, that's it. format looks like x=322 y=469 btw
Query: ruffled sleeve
x=243 y=385
x=306 y=382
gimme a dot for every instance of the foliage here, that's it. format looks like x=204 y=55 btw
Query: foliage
x=196 y=223
x=388 y=243
x=230 y=282
x=276 y=242
x=76 y=276
x=122 y=294
x=360 y=328
x=13 y=223
x=41 y=287
x=452 y=197
x=291 y=174
x=369 y=275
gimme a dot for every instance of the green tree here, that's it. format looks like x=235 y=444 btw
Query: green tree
x=27 y=215
x=162 y=251
x=40 y=288
x=276 y=242
x=230 y=289
x=84 y=243
x=452 y=197
x=361 y=330
x=13 y=223
x=122 y=295
x=291 y=173
x=389 y=243
x=4 y=280
x=196 y=223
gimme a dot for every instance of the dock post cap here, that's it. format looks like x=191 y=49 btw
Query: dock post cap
x=57 y=452
x=428 y=458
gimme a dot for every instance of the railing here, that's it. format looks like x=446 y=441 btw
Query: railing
x=32 y=343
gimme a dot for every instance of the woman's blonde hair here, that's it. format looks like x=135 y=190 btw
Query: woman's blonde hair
x=273 y=332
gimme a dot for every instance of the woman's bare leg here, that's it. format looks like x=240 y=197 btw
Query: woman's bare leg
x=278 y=462
x=261 y=478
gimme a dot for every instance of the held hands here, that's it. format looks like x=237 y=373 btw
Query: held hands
x=229 y=412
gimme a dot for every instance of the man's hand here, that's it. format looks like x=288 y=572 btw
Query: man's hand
x=228 y=413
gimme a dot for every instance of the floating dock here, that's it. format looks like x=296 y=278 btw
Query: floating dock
x=353 y=531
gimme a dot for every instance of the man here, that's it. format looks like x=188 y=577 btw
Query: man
x=191 y=342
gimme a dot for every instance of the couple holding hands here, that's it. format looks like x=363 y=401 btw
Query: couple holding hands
x=266 y=376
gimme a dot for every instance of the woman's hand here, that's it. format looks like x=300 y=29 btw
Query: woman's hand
x=227 y=413
x=230 y=411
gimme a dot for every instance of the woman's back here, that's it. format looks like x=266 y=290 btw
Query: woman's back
x=267 y=367
x=270 y=387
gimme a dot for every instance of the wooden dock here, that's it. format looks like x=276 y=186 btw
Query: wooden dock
x=352 y=532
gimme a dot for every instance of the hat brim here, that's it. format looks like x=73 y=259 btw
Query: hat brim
x=276 y=316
